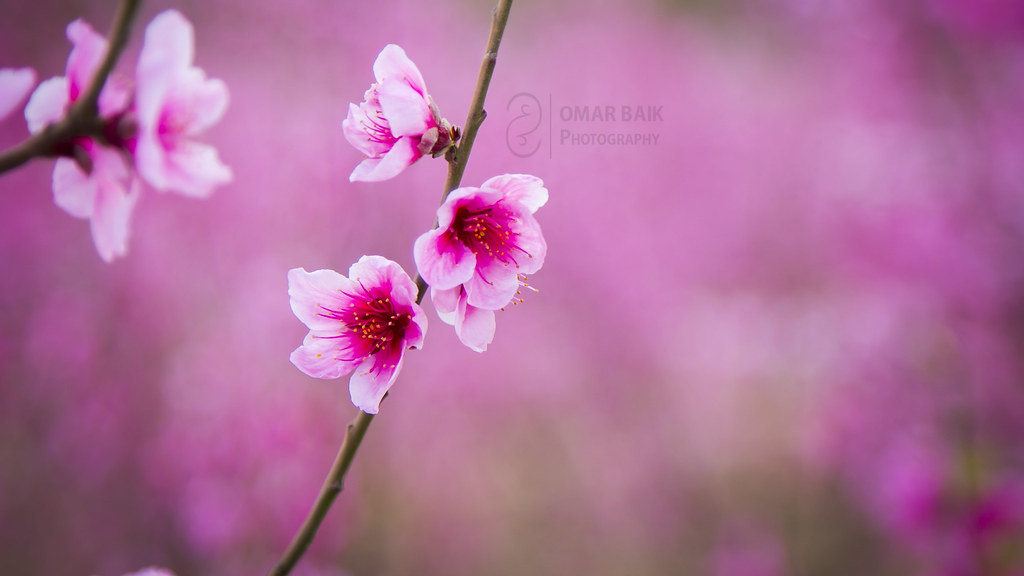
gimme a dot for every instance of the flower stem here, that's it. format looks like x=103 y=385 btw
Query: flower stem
x=333 y=485
x=476 y=116
x=476 y=108
x=357 y=429
x=82 y=118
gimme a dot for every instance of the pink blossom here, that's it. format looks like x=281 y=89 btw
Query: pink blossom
x=361 y=323
x=397 y=122
x=15 y=84
x=50 y=101
x=175 y=101
x=486 y=241
x=97 y=183
x=106 y=196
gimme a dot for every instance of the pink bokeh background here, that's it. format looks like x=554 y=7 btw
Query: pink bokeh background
x=785 y=338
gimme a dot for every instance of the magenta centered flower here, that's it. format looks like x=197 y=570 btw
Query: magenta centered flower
x=398 y=122
x=361 y=323
x=486 y=238
x=476 y=260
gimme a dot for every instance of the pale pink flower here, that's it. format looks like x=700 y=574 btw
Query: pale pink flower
x=15 y=84
x=362 y=323
x=476 y=260
x=174 y=102
x=105 y=190
x=50 y=101
x=106 y=195
x=397 y=122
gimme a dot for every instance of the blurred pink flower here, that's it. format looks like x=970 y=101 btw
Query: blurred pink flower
x=475 y=260
x=106 y=196
x=397 y=122
x=174 y=102
x=152 y=571
x=363 y=322
x=745 y=552
x=15 y=84
x=51 y=99
x=91 y=181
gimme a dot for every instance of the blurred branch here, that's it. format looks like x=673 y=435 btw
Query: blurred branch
x=357 y=429
x=82 y=118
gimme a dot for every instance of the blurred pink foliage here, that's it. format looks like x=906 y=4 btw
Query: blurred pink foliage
x=799 y=312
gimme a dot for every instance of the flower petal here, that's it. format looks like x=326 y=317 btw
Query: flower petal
x=474 y=326
x=48 y=104
x=401 y=156
x=191 y=168
x=354 y=128
x=523 y=188
x=73 y=190
x=87 y=53
x=456 y=199
x=416 y=332
x=15 y=84
x=318 y=357
x=115 y=96
x=379 y=271
x=392 y=63
x=169 y=45
x=209 y=101
x=371 y=381
x=446 y=303
x=530 y=239
x=112 y=216
x=492 y=287
x=443 y=264
x=310 y=292
x=407 y=112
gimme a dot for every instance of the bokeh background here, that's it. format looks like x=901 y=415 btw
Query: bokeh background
x=785 y=338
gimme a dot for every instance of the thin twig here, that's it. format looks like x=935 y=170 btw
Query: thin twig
x=476 y=116
x=354 y=435
x=82 y=118
x=476 y=108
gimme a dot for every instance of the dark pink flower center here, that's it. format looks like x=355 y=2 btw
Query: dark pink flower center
x=372 y=323
x=488 y=233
